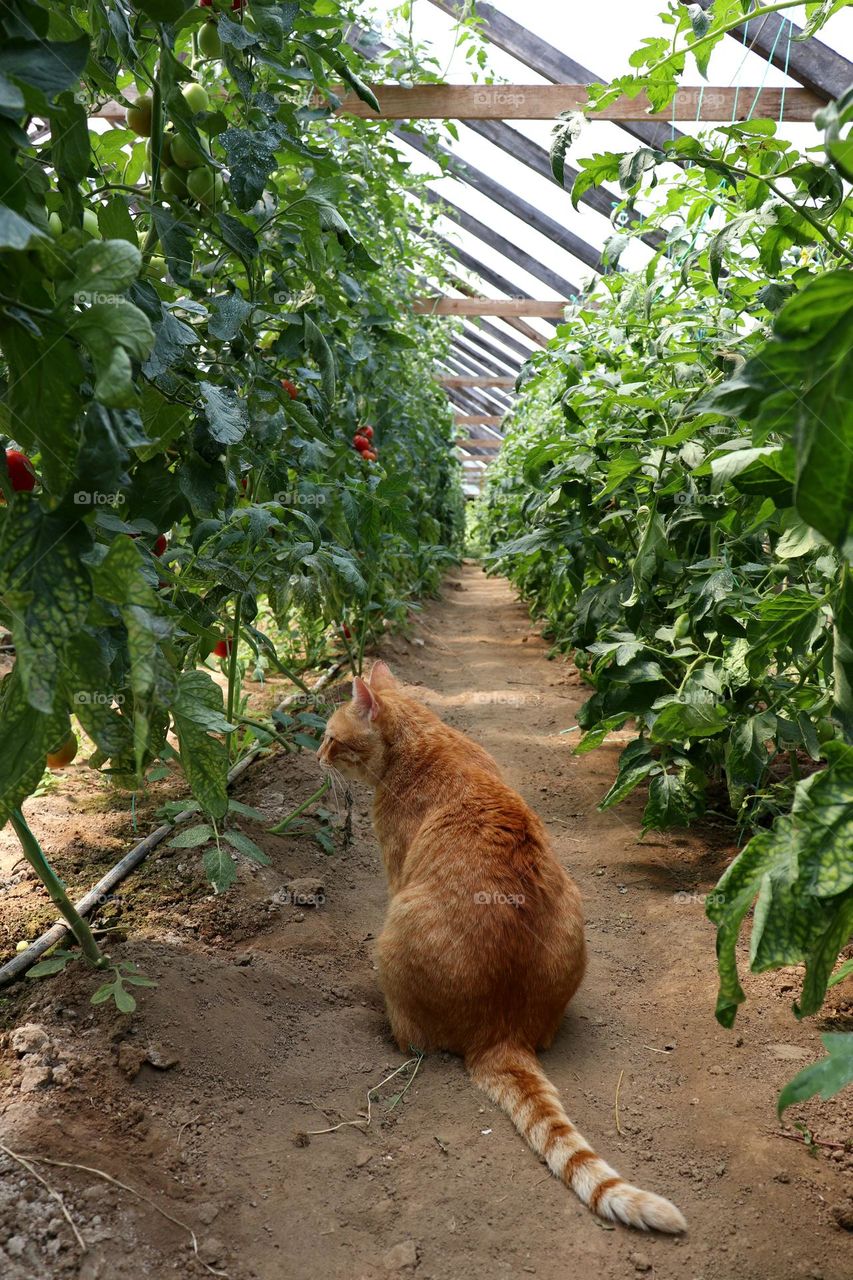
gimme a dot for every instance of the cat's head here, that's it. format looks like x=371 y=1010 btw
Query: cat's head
x=355 y=738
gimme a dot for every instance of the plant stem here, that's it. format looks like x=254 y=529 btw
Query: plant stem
x=762 y=12
x=232 y=670
x=280 y=827
x=56 y=889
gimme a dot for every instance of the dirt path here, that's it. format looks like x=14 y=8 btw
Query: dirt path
x=283 y=1033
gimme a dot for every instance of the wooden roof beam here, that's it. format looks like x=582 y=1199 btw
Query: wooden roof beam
x=476 y=335
x=543 y=58
x=712 y=103
x=503 y=246
x=529 y=153
x=512 y=203
x=444 y=306
x=476 y=382
x=814 y=64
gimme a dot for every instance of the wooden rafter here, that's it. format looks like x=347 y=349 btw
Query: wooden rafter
x=507 y=248
x=814 y=64
x=540 y=56
x=495 y=342
x=511 y=202
x=529 y=153
x=442 y=306
x=476 y=382
x=490 y=364
x=547 y=101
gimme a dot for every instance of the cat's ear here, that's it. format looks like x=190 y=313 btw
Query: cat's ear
x=364 y=700
x=381 y=678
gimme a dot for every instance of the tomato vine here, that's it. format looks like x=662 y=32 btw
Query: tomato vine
x=675 y=499
x=207 y=281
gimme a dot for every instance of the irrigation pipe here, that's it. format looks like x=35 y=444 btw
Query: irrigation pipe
x=19 y=964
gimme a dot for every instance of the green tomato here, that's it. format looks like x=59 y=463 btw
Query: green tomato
x=165 y=152
x=209 y=44
x=90 y=224
x=195 y=96
x=54 y=225
x=681 y=627
x=185 y=154
x=173 y=183
x=205 y=186
x=157 y=266
x=139 y=116
x=269 y=275
x=826 y=731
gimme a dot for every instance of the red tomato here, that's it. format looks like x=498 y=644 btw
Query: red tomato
x=346 y=631
x=160 y=544
x=222 y=648
x=290 y=387
x=367 y=431
x=22 y=477
x=237 y=5
x=360 y=442
x=64 y=755
x=369 y=455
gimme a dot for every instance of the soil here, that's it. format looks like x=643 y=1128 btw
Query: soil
x=266 y=1026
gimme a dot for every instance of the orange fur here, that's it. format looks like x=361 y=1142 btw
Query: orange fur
x=483 y=944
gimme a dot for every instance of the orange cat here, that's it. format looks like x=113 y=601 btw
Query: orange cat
x=483 y=944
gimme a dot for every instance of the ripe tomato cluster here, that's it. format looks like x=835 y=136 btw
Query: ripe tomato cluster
x=290 y=387
x=362 y=441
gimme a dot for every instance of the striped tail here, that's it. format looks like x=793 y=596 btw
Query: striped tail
x=513 y=1078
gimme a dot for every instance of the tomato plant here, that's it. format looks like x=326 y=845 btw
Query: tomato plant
x=675 y=499
x=162 y=271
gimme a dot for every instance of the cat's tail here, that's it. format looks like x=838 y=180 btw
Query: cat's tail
x=513 y=1078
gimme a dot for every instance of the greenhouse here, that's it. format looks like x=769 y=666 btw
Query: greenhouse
x=426 y=639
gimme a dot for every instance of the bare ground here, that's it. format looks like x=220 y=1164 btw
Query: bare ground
x=271 y=1019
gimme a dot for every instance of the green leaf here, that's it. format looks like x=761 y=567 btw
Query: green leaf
x=102 y=267
x=115 y=333
x=226 y=413
x=197 y=713
x=121 y=579
x=46 y=592
x=16 y=232
x=822 y=815
x=247 y=847
x=219 y=868
x=53 y=964
x=675 y=799
x=635 y=764
x=826 y=1077
x=45 y=67
x=322 y=353
x=678 y=721
x=192 y=837
x=228 y=313
x=176 y=243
